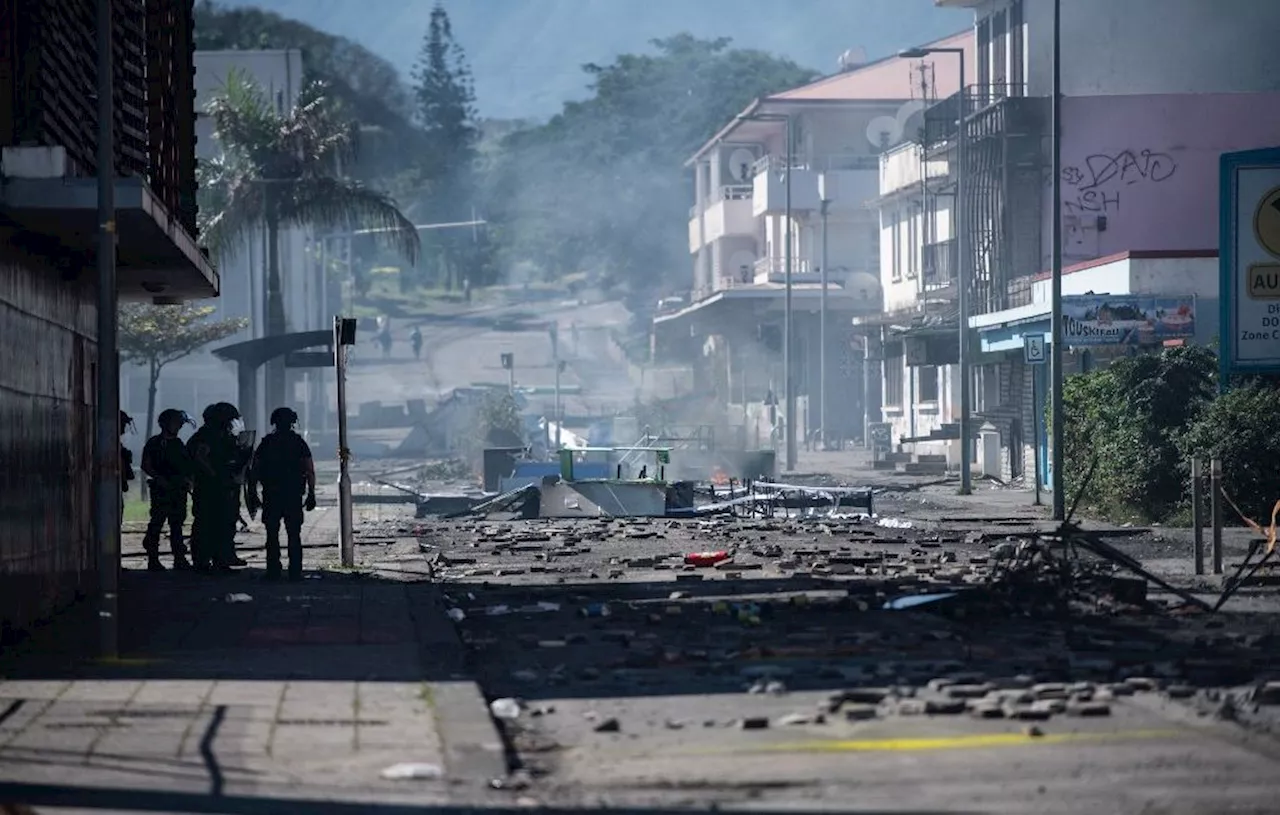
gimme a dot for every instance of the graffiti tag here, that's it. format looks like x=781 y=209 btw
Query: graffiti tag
x=1098 y=180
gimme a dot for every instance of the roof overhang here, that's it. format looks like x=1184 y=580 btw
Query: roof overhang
x=156 y=257
x=745 y=128
x=805 y=297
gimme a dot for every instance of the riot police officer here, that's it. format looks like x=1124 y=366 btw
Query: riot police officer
x=167 y=465
x=284 y=468
x=217 y=458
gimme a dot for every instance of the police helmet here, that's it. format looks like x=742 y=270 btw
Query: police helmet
x=284 y=418
x=173 y=415
x=220 y=413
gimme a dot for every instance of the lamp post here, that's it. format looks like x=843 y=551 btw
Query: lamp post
x=825 y=204
x=962 y=249
x=788 y=385
x=1055 y=297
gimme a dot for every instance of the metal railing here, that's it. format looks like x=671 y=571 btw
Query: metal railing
x=851 y=161
x=727 y=192
x=772 y=266
x=942 y=119
x=777 y=164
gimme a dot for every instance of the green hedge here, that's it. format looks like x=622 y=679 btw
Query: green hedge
x=1131 y=417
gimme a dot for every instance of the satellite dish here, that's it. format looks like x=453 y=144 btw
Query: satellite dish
x=884 y=131
x=740 y=163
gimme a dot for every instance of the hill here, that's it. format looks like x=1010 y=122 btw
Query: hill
x=527 y=55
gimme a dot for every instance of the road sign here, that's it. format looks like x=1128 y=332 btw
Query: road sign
x=1249 y=259
x=1033 y=349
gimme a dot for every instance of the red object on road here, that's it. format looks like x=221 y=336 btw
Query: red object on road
x=705 y=558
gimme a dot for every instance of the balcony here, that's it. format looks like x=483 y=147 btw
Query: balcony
x=728 y=215
x=1007 y=105
x=774 y=270
x=904 y=168
x=850 y=183
x=769 y=187
x=939 y=262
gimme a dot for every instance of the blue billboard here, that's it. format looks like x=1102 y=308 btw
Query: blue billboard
x=1126 y=319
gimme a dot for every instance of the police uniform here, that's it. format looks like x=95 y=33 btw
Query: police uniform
x=282 y=465
x=216 y=461
x=166 y=460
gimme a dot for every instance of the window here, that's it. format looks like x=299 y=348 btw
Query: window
x=984 y=52
x=927 y=384
x=913 y=241
x=1017 y=50
x=893 y=371
x=999 y=52
x=895 y=248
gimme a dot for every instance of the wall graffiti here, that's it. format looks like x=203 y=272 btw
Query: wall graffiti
x=1097 y=183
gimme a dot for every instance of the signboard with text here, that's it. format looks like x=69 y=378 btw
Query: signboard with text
x=1249 y=254
x=1126 y=319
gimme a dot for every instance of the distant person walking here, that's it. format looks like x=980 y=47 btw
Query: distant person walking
x=285 y=470
x=416 y=340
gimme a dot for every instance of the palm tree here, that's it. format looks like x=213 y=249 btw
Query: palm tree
x=282 y=169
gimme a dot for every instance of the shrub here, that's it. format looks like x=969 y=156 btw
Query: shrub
x=1240 y=427
x=1131 y=418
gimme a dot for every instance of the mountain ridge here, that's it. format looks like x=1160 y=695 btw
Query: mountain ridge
x=527 y=55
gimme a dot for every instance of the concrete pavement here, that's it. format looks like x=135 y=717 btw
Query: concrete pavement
x=233 y=688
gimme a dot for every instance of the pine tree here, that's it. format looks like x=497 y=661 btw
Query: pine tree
x=445 y=98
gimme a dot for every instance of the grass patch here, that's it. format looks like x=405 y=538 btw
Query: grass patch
x=136 y=510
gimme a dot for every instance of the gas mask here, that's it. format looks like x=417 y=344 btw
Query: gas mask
x=237 y=426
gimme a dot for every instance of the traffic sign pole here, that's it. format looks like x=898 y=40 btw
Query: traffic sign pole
x=1033 y=353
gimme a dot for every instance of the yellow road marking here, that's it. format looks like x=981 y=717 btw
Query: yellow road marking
x=953 y=742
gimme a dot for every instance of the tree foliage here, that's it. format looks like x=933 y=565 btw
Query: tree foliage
x=599 y=188
x=1131 y=418
x=444 y=174
x=154 y=336
x=497 y=423
x=364 y=84
x=1240 y=428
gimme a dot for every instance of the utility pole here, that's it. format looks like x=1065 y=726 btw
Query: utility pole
x=344 y=336
x=788 y=320
x=1055 y=296
x=825 y=204
x=107 y=418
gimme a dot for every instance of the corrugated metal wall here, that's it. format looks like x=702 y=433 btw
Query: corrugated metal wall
x=47 y=355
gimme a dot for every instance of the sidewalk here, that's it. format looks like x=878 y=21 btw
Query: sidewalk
x=306 y=691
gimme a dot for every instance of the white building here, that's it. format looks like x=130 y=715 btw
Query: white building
x=747 y=181
x=920 y=397
x=192 y=383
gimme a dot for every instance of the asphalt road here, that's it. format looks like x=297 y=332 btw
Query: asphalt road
x=465 y=349
x=780 y=682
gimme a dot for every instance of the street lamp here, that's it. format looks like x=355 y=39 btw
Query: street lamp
x=1058 y=484
x=788 y=387
x=962 y=243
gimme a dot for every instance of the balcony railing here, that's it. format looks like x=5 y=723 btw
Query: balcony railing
x=938 y=263
x=777 y=164
x=778 y=266
x=942 y=120
x=728 y=192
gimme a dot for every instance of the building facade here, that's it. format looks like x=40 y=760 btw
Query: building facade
x=788 y=188
x=1153 y=93
x=48 y=285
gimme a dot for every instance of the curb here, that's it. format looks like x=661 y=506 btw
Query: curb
x=473 y=747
